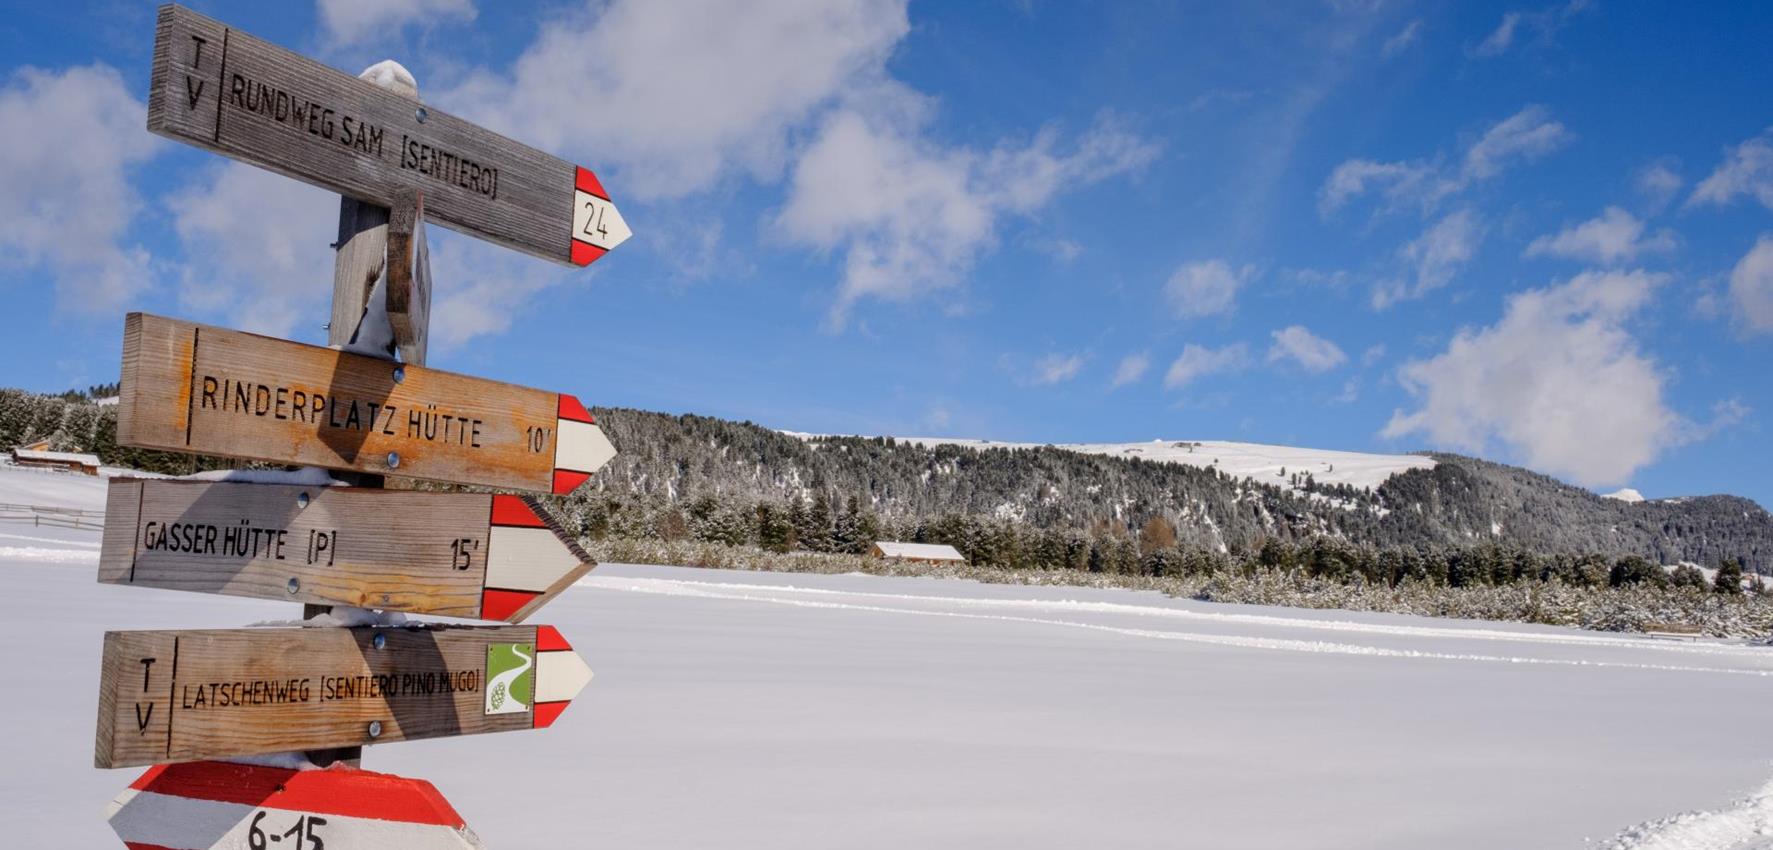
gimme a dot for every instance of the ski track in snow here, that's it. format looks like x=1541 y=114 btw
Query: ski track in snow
x=749 y=593
x=64 y=542
x=1349 y=626
x=45 y=555
x=1746 y=825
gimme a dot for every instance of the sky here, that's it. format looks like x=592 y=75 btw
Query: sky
x=1540 y=234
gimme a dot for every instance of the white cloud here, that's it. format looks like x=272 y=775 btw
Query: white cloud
x=259 y=278
x=1199 y=361
x=1747 y=169
x=674 y=95
x=1558 y=380
x=1432 y=258
x=669 y=98
x=1305 y=348
x=1725 y=414
x=911 y=216
x=1207 y=288
x=1132 y=367
x=1402 y=182
x=1544 y=24
x=1614 y=237
x=1055 y=369
x=1751 y=286
x=1402 y=40
x=1351 y=392
x=1526 y=135
x=1500 y=38
x=1658 y=182
x=72 y=137
x=356 y=21
x=1373 y=354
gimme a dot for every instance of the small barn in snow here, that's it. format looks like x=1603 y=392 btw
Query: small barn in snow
x=39 y=455
x=917 y=553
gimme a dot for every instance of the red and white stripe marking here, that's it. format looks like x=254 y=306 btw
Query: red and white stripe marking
x=580 y=448
x=560 y=675
x=597 y=227
x=525 y=559
x=211 y=805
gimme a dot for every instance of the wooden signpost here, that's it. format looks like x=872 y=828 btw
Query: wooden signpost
x=223 y=806
x=187 y=695
x=196 y=388
x=490 y=557
x=226 y=91
x=192 y=696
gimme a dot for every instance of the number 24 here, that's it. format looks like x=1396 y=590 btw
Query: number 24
x=594 y=223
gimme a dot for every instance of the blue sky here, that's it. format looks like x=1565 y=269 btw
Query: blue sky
x=1537 y=233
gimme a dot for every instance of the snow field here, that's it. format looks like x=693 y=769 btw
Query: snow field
x=1263 y=463
x=757 y=710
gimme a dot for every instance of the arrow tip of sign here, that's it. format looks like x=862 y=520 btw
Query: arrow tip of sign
x=549 y=639
x=566 y=481
x=503 y=604
x=585 y=181
x=585 y=253
x=572 y=408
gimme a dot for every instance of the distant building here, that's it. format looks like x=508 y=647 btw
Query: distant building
x=38 y=455
x=917 y=553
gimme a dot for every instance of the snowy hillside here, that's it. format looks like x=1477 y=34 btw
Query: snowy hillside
x=1269 y=464
x=777 y=711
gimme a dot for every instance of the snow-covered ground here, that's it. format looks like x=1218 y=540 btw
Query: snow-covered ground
x=1264 y=463
x=755 y=710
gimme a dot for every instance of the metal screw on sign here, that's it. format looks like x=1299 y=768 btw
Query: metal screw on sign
x=380 y=641
x=421 y=114
x=294 y=585
x=393 y=460
x=399 y=374
x=375 y=728
x=302 y=500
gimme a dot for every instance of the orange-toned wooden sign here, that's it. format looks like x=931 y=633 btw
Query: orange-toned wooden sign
x=492 y=557
x=197 y=388
x=167 y=696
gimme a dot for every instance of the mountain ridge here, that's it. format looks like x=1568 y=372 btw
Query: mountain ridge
x=1457 y=501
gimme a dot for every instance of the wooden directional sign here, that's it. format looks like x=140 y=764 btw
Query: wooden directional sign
x=196 y=388
x=492 y=557
x=221 y=89
x=210 y=805
x=186 y=695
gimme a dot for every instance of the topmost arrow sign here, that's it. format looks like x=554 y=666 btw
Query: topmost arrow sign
x=221 y=89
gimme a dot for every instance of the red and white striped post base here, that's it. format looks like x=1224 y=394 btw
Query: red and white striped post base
x=212 y=805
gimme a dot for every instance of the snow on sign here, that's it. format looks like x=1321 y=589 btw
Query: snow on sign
x=224 y=90
x=223 y=806
x=207 y=390
x=491 y=557
x=170 y=696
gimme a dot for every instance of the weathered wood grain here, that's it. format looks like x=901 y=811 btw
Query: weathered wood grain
x=226 y=91
x=196 y=388
x=397 y=550
x=170 y=696
x=409 y=277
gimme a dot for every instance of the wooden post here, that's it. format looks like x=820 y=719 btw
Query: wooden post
x=362 y=257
